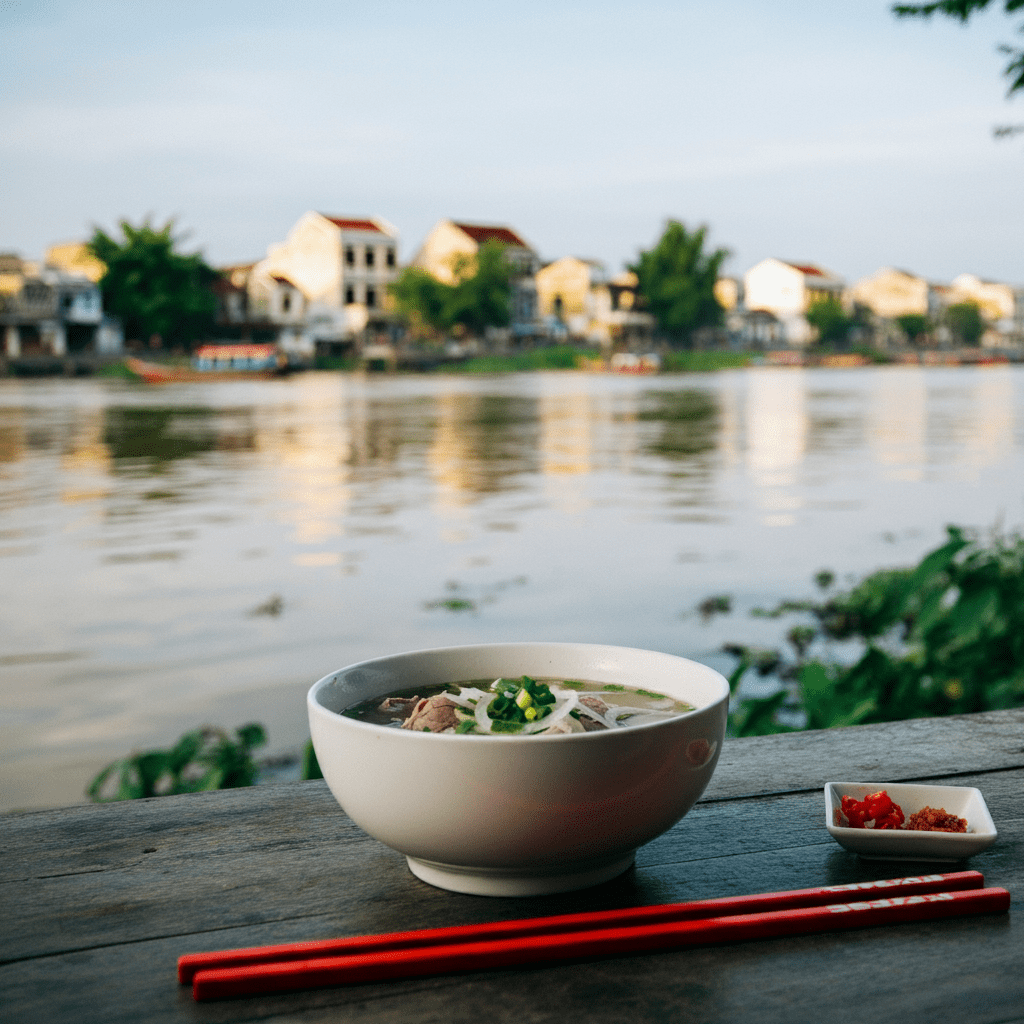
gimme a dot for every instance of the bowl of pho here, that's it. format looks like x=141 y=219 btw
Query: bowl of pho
x=518 y=769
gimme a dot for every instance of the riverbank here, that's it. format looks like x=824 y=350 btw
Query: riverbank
x=553 y=357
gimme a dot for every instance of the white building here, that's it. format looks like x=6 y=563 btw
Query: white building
x=787 y=291
x=333 y=271
x=48 y=312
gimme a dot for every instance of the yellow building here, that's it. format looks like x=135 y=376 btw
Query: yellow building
x=75 y=258
x=891 y=293
x=450 y=241
x=564 y=286
x=995 y=300
x=727 y=292
x=579 y=294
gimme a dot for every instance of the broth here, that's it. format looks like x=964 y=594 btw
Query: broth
x=522 y=706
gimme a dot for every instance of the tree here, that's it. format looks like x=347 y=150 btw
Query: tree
x=480 y=297
x=422 y=300
x=964 y=319
x=962 y=11
x=157 y=291
x=677 y=281
x=913 y=325
x=830 y=320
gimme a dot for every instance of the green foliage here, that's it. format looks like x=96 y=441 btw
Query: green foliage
x=310 y=765
x=552 y=357
x=913 y=325
x=964 y=319
x=827 y=316
x=480 y=297
x=702 y=361
x=677 y=282
x=154 y=289
x=482 y=294
x=944 y=637
x=201 y=760
x=963 y=10
x=422 y=300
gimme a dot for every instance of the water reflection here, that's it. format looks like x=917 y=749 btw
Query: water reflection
x=561 y=506
x=898 y=423
x=776 y=435
x=482 y=444
x=988 y=436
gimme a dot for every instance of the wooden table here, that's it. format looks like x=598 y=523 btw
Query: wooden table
x=99 y=901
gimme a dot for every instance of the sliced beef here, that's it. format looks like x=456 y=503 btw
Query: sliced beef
x=398 y=708
x=597 y=705
x=432 y=714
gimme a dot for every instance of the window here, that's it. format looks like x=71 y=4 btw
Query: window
x=286 y=302
x=350 y=256
x=390 y=257
x=371 y=298
x=369 y=255
x=350 y=295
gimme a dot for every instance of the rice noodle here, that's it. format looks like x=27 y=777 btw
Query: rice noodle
x=467 y=698
x=483 y=720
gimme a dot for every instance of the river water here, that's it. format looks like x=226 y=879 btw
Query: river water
x=196 y=554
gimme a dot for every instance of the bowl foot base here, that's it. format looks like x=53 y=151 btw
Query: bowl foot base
x=509 y=882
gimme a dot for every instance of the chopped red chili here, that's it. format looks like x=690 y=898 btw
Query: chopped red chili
x=876 y=810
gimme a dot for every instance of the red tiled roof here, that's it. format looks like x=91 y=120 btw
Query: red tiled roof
x=808 y=269
x=352 y=224
x=481 y=233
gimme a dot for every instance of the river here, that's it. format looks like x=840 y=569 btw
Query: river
x=202 y=553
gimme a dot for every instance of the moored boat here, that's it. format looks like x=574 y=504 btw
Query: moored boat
x=215 y=362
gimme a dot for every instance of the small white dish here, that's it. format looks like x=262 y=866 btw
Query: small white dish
x=899 y=844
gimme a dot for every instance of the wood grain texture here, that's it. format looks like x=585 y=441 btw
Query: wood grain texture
x=99 y=901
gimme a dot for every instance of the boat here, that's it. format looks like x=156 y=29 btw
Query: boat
x=214 y=363
x=629 y=362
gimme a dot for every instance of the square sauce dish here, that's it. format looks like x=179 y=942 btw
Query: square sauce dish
x=902 y=844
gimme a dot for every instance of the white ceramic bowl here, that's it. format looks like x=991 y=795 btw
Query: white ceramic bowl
x=900 y=844
x=519 y=815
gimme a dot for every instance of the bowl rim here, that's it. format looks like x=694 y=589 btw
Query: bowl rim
x=315 y=706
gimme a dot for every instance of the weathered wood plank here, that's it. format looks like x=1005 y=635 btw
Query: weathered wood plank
x=919 y=749
x=98 y=902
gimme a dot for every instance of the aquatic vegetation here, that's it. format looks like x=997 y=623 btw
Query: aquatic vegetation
x=943 y=637
x=203 y=759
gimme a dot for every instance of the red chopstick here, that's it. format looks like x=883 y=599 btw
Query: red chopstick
x=189 y=964
x=632 y=916
x=581 y=945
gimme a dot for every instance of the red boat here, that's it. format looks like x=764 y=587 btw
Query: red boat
x=215 y=362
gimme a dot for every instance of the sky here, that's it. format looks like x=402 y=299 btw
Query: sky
x=821 y=131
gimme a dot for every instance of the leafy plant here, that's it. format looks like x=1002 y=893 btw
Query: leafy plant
x=966 y=322
x=944 y=637
x=677 y=281
x=827 y=316
x=479 y=297
x=158 y=292
x=310 y=765
x=203 y=759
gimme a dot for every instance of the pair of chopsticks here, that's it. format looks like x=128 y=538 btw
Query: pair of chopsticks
x=601 y=933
